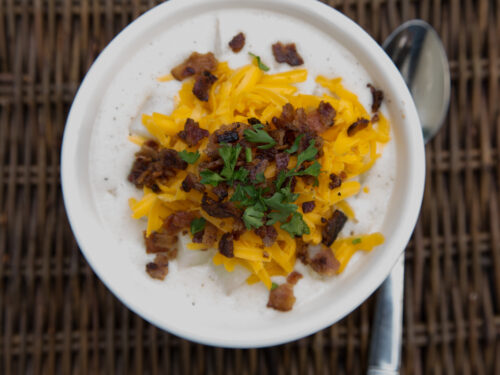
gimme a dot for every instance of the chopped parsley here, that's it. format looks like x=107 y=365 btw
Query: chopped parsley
x=308 y=154
x=259 y=178
x=274 y=286
x=209 y=177
x=258 y=135
x=229 y=155
x=197 y=225
x=295 y=145
x=260 y=64
x=356 y=241
x=248 y=154
x=296 y=226
x=189 y=157
x=253 y=218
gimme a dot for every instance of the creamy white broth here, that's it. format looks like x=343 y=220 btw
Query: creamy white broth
x=135 y=90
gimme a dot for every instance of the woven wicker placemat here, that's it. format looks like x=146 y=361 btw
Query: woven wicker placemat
x=57 y=318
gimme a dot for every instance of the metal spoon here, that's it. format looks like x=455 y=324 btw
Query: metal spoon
x=418 y=52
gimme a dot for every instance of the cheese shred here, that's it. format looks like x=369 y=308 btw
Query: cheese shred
x=237 y=95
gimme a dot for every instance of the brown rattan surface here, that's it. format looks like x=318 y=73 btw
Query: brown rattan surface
x=56 y=317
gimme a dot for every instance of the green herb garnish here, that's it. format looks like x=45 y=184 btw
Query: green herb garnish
x=197 y=225
x=189 y=157
x=258 y=135
x=241 y=175
x=260 y=64
x=252 y=218
x=209 y=177
x=259 y=178
x=295 y=145
x=308 y=154
x=229 y=155
x=296 y=226
x=274 y=286
x=356 y=241
x=248 y=154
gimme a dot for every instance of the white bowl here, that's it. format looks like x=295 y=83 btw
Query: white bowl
x=165 y=305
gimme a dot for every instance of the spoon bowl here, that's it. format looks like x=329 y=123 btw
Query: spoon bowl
x=418 y=53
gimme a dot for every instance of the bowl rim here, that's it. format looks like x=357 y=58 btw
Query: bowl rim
x=363 y=289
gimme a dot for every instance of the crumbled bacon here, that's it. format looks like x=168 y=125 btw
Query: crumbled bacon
x=161 y=242
x=287 y=53
x=325 y=263
x=294 y=277
x=228 y=137
x=332 y=227
x=355 y=127
x=219 y=209
x=226 y=246
x=202 y=85
x=177 y=221
x=238 y=228
x=195 y=64
x=256 y=167
x=268 y=154
x=336 y=181
x=279 y=136
x=308 y=206
x=208 y=236
x=192 y=182
x=268 y=234
x=377 y=97
x=321 y=118
x=282 y=160
x=237 y=43
x=221 y=191
x=153 y=164
x=158 y=269
x=192 y=133
x=375 y=118
x=213 y=141
x=302 y=251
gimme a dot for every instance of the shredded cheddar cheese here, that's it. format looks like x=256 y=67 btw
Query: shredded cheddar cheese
x=237 y=95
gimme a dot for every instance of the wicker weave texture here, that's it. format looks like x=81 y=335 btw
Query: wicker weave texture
x=56 y=317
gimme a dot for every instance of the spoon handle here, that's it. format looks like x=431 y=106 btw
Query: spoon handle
x=385 y=347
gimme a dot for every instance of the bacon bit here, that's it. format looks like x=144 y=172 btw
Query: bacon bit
x=302 y=251
x=226 y=246
x=256 y=167
x=221 y=191
x=195 y=64
x=321 y=118
x=336 y=181
x=202 y=85
x=327 y=113
x=192 y=133
x=333 y=226
x=228 y=137
x=355 y=127
x=178 y=221
x=152 y=164
x=158 y=269
x=237 y=43
x=375 y=118
x=308 y=207
x=219 y=209
x=377 y=97
x=282 y=160
x=161 y=242
x=282 y=298
x=325 y=263
x=294 y=277
x=212 y=149
x=207 y=236
x=287 y=53
x=192 y=182
x=343 y=175
x=268 y=235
